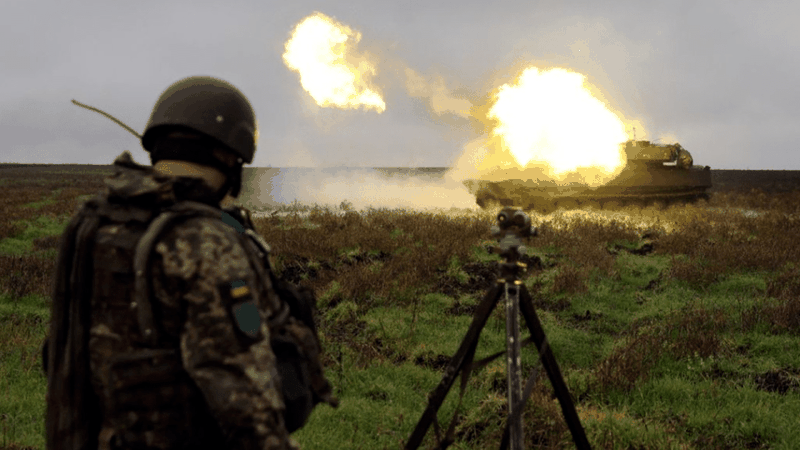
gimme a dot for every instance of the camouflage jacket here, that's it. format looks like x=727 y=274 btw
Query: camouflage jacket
x=206 y=376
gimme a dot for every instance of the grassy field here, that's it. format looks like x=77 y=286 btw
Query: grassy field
x=674 y=328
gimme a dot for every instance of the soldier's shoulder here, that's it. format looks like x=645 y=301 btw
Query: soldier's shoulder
x=204 y=247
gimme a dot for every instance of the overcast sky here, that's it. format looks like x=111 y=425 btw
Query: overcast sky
x=720 y=77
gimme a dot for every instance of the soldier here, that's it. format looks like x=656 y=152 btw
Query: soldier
x=169 y=329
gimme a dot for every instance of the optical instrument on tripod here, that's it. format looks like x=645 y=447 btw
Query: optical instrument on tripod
x=512 y=227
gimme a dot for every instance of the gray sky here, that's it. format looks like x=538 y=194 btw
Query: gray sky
x=720 y=77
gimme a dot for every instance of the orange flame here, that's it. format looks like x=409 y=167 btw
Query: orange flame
x=323 y=52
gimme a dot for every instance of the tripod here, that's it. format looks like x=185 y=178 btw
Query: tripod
x=512 y=226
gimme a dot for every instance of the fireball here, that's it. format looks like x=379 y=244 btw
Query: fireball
x=550 y=120
x=324 y=53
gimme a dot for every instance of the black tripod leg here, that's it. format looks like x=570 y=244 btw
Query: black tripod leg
x=455 y=366
x=551 y=367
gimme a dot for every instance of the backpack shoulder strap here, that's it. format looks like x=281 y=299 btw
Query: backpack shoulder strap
x=142 y=289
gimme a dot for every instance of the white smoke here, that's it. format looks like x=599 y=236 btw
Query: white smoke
x=363 y=188
x=435 y=90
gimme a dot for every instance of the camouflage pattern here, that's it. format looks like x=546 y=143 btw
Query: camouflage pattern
x=211 y=381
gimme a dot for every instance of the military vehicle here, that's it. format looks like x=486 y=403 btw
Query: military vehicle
x=655 y=174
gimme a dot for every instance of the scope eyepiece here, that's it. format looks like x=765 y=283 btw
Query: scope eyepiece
x=502 y=218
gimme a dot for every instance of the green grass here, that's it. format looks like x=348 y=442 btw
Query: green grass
x=23 y=324
x=692 y=345
x=50 y=200
x=379 y=404
x=33 y=229
x=713 y=414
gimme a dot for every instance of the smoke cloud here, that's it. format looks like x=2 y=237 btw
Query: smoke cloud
x=436 y=92
x=363 y=188
x=547 y=119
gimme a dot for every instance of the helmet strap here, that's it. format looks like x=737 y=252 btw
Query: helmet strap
x=233 y=180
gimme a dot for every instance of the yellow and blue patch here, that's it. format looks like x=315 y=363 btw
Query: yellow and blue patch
x=244 y=309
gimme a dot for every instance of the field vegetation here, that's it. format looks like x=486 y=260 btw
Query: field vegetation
x=674 y=327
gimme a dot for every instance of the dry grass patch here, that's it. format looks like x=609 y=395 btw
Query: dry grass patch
x=570 y=279
x=378 y=253
x=690 y=332
x=780 y=315
x=699 y=274
x=25 y=275
x=733 y=241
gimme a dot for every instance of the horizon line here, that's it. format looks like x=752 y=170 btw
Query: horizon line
x=329 y=167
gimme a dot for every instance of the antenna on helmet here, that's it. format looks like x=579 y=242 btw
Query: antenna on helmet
x=117 y=121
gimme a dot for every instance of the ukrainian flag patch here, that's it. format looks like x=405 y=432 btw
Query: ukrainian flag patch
x=244 y=309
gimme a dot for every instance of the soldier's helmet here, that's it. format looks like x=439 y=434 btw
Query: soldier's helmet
x=209 y=106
